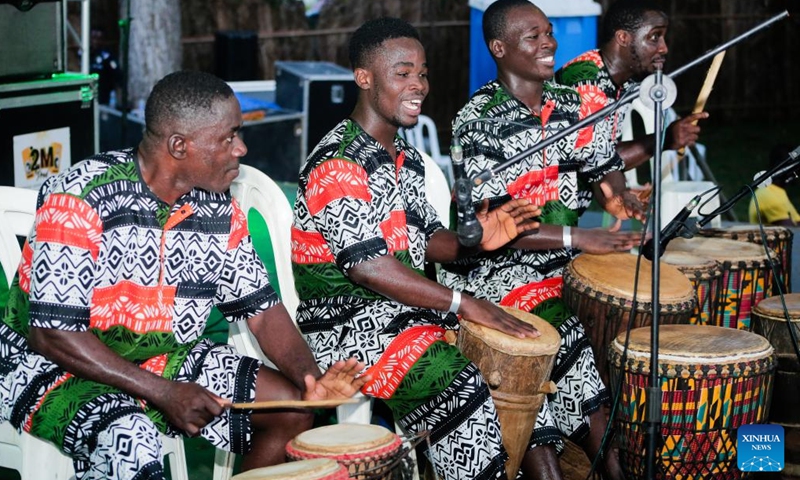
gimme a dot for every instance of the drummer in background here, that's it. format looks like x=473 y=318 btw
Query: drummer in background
x=774 y=206
x=527 y=275
x=363 y=230
x=633 y=45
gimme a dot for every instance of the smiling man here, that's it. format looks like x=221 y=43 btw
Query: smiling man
x=363 y=230
x=504 y=119
x=633 y=45
x=100 y=344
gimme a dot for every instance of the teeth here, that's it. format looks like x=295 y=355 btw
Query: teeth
x=547 y=59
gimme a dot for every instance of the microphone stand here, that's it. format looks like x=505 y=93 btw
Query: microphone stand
x=652 y=420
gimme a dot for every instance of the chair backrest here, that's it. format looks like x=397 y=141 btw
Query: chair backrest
x=254 y=189
x=425 y=138
x=17 y=212
x=437 y=189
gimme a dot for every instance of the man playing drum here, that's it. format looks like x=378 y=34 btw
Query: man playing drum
x=527 y=275
x=362 y=232
x=100 y=343
x=633 y=45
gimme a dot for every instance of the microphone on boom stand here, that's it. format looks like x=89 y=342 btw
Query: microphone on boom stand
x=469 y=229
x=674 y=228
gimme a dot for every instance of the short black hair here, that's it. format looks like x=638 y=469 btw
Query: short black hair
x=495 y=16
x=373 y=33
x=184 y=97
x=626 y=15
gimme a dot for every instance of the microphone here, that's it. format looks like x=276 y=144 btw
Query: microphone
x=670 y=231
x=469 y=229
x=788 y=166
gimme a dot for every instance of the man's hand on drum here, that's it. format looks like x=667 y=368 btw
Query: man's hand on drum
x=506 y=222
x=489 y=315
x=341 y=380
x=601 y=240
x=624 y=205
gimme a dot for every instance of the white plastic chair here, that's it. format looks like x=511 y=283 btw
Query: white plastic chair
x=424 y=137
x=34 y=458
x=254 y=189
x=437 y=190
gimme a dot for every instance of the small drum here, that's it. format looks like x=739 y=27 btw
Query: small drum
x=517 y=372
x=314 y=469
x=599 y=290
x=712 y=381
x=778 y=238
x=745 y=275
x=366 y=450
x=769 y=320
x=706 y=277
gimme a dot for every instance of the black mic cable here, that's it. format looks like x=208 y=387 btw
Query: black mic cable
x=468 y=229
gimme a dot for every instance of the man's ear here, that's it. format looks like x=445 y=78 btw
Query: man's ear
x=363 y=78
x=623 y=38
x=177 y=145
x=497 y=48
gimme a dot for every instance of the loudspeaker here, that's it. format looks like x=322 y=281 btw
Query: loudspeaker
x=33 y=41
x=325 y=92
x=236 y=55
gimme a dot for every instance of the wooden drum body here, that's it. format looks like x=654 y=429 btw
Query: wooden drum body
x=518 y=374
x=778 y=238
x=746 y=276
x=366 y=450
x=313 y=469
x=599 y=290
x=706 y=277
x=712 y=379
x=769 y=320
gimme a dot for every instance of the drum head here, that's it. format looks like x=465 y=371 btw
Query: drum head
x=750 y=233
x=686 y=260
x=546 y=344
x=773 y=308
x=696 y=345
x=614 y=274
x=315 y=468
x=720 y=249
x=344 y=438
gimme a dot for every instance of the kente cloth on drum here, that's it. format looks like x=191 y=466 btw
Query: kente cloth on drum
x=774 y=205
x=548 y=178
x=112 y=259
x=356 y=203
x=446 y=394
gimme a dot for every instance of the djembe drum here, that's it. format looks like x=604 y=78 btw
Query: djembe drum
x=706 y=277
x=313 y=469
x=712 y=379
x=769 y=320
x=368 y=451
x=518 y=374
x=746 y=275
x=599 y=290
x=778 y=238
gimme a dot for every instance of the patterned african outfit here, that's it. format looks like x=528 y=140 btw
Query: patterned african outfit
x=108 y=257
x=589 y=76
x=531 y=280
x=356 y=203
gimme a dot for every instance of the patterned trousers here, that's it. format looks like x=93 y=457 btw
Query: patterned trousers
x=113 y=435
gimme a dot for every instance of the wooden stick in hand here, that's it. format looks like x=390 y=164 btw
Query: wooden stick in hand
x=705 y=90
x=291 y=404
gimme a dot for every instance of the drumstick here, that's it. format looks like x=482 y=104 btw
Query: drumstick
x=291 y=404
x=705 y=91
